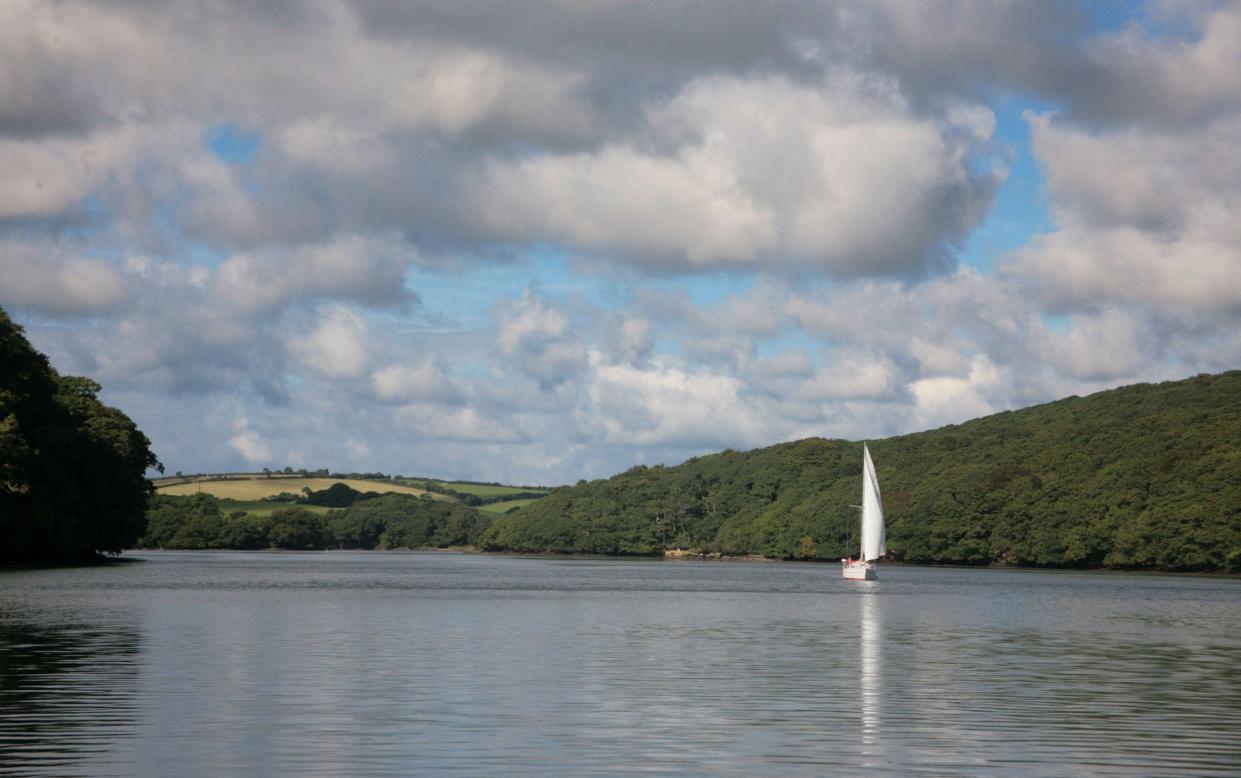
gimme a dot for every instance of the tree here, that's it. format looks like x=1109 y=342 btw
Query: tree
x=72 y=470
x=297 y=528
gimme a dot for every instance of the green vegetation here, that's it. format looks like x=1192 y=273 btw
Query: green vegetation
x=505 y=506
x=478 y=494
x=200 y=521
x=1143 y=477
x=336 y=496
x=72 y=470
x=262 y=507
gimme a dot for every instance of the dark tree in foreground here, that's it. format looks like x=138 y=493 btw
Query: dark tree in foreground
x=72 y=470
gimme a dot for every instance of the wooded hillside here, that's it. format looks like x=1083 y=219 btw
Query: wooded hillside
x=1146 y=476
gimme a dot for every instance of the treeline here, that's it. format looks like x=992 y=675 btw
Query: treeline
x=1143 y=477
x=72 y=470
x=387 y=521
x=337 y=495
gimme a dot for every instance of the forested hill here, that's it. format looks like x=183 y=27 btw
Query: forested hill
x=1146 y=476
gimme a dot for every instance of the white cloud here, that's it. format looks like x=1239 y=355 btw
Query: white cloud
x=53 y=278
x=761 y=172
x=435 y=422
x=533 y=335
x=426 y=381
x=1088 y=268
x=459 y=89
x=250 y=444
x=328 y=143
x=1107 y=345
x=1169 y=77
x=337 y=348
x=947 y=400
x=667 y=405
x=852 y=377
x=1144 y=216
x=633 y=340
x=369 y=270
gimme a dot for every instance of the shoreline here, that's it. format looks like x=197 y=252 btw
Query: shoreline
x=670 y=555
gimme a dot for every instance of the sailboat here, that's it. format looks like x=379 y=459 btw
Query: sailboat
x=866 y=566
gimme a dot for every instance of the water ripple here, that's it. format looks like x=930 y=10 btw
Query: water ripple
x=374 y=664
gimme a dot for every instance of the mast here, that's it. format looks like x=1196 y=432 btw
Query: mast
x=873 y=535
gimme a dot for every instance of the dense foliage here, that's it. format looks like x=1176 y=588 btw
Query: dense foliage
x=1147 y=476
x=336 y=496
x=387 y=521
x=72 y=470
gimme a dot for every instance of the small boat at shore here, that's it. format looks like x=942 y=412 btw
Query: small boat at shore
x=866 y=566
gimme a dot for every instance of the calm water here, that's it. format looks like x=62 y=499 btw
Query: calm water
x=383 y=663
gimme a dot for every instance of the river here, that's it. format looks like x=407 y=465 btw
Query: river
x=374 y=663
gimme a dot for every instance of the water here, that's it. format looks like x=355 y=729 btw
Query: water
x=389 y=663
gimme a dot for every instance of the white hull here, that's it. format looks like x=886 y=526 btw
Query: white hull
x=859 y=571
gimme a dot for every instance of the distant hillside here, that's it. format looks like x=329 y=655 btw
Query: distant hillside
x=258 y=487
x=1142 y=477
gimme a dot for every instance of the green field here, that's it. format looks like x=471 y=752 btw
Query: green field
x=480 y=490
x=264 y=508
x=497 y=508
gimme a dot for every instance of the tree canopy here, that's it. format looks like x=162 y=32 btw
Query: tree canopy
x=385 y=521
x=72 y=470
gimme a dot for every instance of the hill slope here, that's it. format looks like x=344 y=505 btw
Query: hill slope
x=259 y=488
x=1146 y=476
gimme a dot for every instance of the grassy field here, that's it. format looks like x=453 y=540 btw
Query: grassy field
x=258 y=488
x=481 y=490
x=264 y=508
x=501 y=507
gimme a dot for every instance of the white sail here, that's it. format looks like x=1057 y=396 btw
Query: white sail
x=873 y=540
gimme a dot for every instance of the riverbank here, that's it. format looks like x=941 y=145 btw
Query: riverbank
x=673 y=555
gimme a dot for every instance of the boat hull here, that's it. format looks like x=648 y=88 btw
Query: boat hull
x=859 y=571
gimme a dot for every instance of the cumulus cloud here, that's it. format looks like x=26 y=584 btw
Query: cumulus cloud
x=1144 y=216
x=249 y=443
x=853 y=377
x=1166 y=79
x=666 y=405
x=428 y=381
x=633 y=340
x=434 y=422
x=459 y=90
x=762 y=173
x=53 y=278
x=945 y=400
x=337 y=347
x=813 y=167
x=368 y=270
x=1108 y=345
x=533 y=336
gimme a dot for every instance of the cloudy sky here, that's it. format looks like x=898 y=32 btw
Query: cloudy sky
x=537 y=242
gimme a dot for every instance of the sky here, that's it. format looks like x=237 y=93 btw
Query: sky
x=536 y=242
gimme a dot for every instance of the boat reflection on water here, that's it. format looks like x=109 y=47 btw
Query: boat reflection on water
x=869 y=679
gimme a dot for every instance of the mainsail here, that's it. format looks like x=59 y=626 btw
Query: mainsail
x=873 y=536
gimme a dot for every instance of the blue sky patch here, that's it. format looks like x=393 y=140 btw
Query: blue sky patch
x=232 y=144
